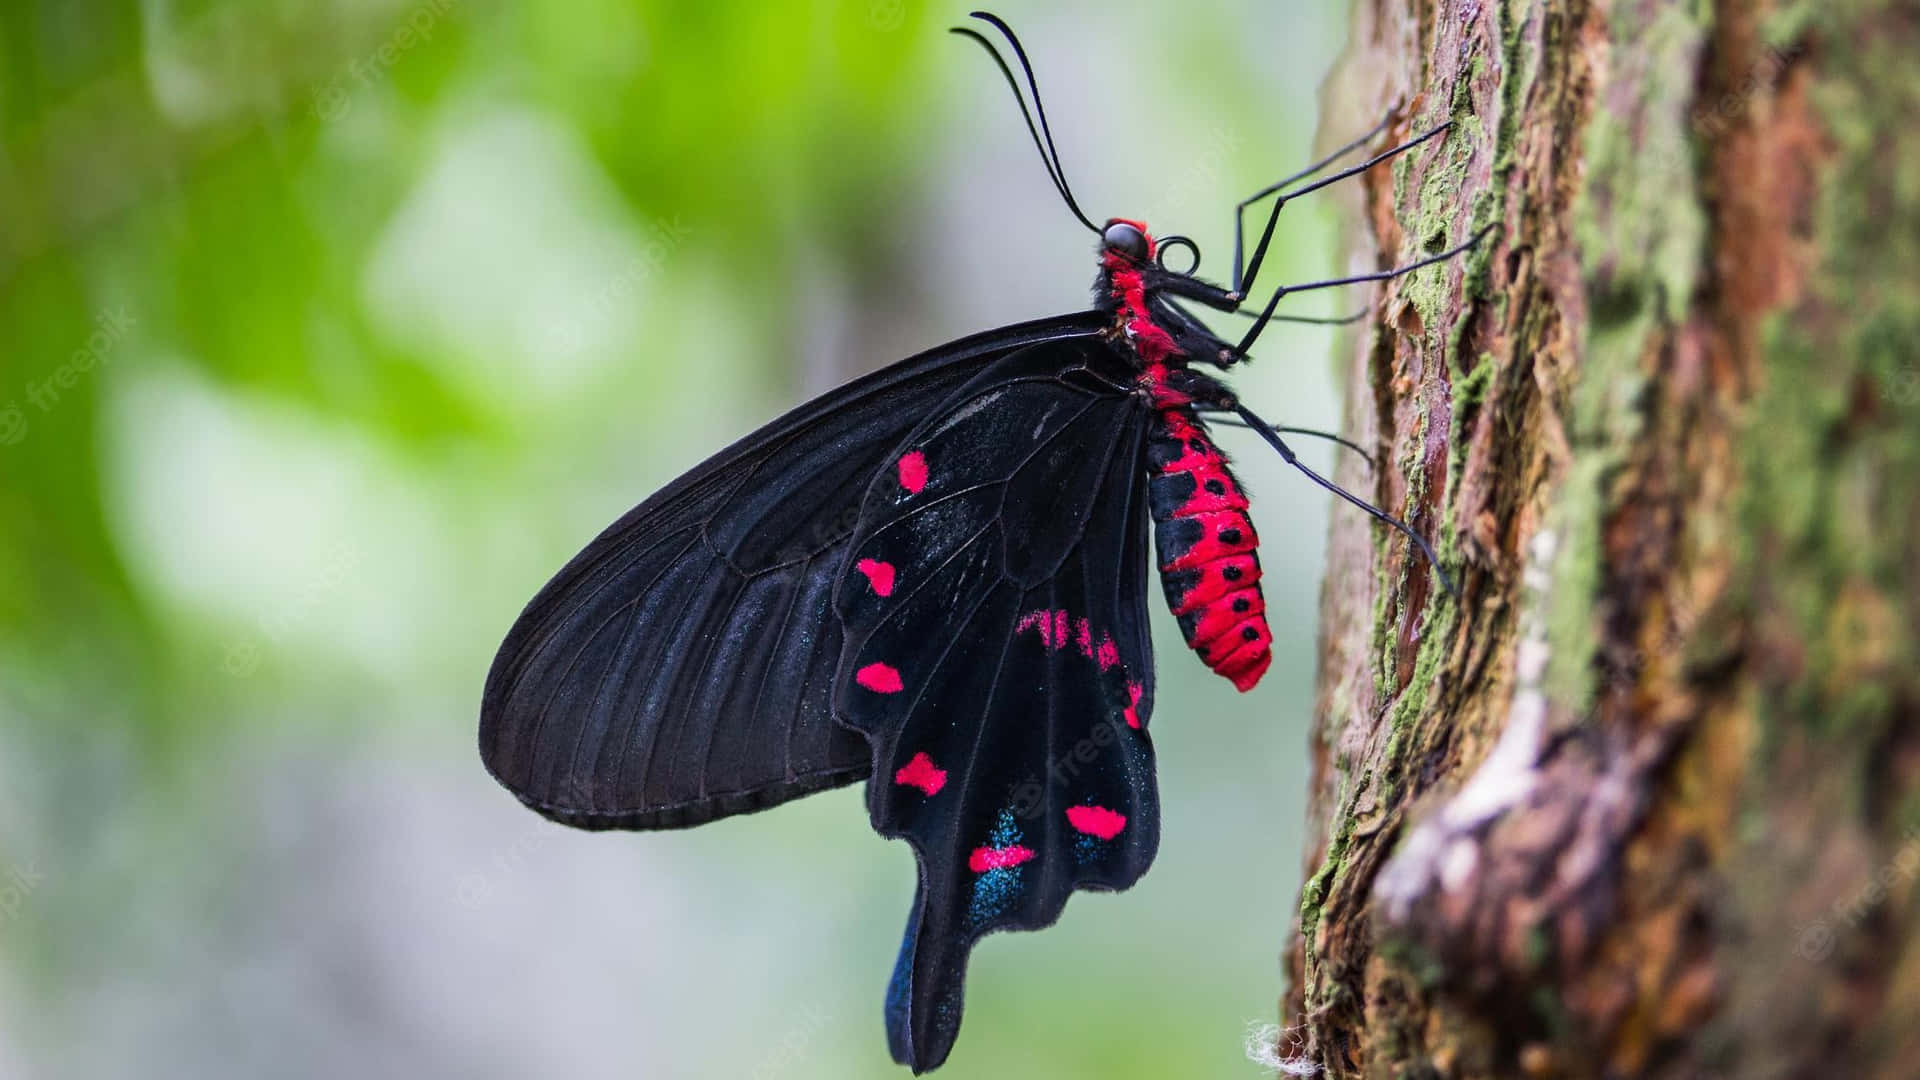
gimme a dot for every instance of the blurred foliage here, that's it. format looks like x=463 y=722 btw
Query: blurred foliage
x=330 y=329
x=223 y=171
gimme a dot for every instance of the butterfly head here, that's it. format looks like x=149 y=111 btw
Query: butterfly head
x=1127 y=242
x=1126 y=245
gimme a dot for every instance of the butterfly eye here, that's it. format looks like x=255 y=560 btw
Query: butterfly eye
x=1126 y=240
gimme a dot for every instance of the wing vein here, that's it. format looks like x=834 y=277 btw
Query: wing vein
x=766 y=671
x=631 y=608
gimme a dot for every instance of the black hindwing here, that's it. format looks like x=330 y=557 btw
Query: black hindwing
x=681 y=667
x=997 y=657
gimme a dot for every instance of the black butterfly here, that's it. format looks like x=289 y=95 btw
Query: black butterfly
x=933 y=578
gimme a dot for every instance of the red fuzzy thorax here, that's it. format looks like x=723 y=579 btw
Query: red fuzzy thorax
x=1207 y=545
x=1151 y=342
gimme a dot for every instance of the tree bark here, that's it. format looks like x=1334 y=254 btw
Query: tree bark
x=1646 y=801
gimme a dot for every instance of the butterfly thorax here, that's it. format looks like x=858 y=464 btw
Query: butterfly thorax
x=1207 y=546
x=1123 y=283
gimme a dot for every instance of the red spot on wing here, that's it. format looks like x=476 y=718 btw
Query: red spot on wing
x=880 y=574
x=1057 y=627
x=984 y=859
x=913 y=471
x=1053 y=626
x=879 y=678
x=1134 y=690
x=1097 y=821
x=920 y=772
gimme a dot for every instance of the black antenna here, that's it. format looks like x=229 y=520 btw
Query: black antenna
x=1049 y=154
x=1265 y=431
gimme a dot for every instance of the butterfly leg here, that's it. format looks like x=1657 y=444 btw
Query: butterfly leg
x=1243 y=280
x=1218 y=298
x=1310 y=320
x=1238 y=353
x=1272 y=436
x=1227 y=421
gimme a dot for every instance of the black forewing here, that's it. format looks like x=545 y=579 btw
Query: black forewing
x=1006 y=674
x=679 y=669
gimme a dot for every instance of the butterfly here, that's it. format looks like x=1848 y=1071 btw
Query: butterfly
x=933 y=579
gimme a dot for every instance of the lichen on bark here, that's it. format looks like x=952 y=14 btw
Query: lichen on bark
x=1644 y=802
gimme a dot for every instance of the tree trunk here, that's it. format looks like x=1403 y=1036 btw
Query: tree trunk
x=1644 y=802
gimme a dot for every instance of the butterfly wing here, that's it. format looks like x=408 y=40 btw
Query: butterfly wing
x=679 y=669
x=997 y=657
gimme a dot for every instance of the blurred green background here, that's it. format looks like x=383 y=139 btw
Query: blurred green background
x=331 y=330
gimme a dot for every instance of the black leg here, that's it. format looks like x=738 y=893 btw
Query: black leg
x=1240 y=211
x=1267 y=432
x=1239 y=352
x=1311 y=320
x=1312 y=432
x=1243 y=283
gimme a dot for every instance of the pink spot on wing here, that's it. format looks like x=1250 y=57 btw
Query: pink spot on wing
x=1097 y=821
x=1134 y=690
x=913 y=471
x=1052 y=626
x=879 y=678
x=1057 y=627
x=920 y=772
x=984 y=859
x=880 y=574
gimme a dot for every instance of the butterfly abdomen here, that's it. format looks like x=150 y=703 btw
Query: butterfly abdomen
x=1207 y=549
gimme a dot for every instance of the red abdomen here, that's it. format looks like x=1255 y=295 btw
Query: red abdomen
x=1207 y=549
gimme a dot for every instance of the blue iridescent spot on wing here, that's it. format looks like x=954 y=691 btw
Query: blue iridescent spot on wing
x=996 y=888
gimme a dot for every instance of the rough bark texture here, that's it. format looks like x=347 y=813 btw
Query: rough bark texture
x=1647 y=801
